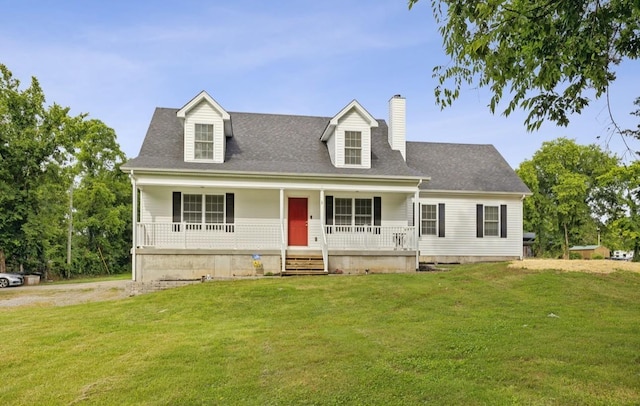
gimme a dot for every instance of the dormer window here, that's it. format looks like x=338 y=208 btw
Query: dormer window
x=348 y=137
x=203 y=147
x=206 y=128
x=352 y=148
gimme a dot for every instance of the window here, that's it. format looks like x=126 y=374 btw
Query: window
x=353 y=213
x=343 y=212
x=491 y=221
x=429 y=219
x=214 y=209
x=363 y=214
x=192 y=209
x=352 y=148
x=203 y=141
x=193 y=213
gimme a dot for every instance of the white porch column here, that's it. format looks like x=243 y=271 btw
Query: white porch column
x=323 y=218
x=283 y=248
x=416 y=224
x=323 y=214
x=134 y=226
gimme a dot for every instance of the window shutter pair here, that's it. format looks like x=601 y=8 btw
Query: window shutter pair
x=480 y=221
x=377 y=210
x=229 y=202
x=441 y=219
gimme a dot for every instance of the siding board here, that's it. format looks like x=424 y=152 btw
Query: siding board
x=461 y=228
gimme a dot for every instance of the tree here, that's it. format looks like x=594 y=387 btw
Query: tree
x=43 y=151
x=564 y=178
x=35 y=144
x=549 y=55
x=624 y=204
x=102 y=202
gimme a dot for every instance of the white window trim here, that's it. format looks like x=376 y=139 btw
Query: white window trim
x=350 y=148
x=352 y=226
x=423 y=220
x=485 y=221
x=202 y=224
x=196 y=141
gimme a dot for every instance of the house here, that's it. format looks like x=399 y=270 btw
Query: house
x=588 y=251
x=222 y=194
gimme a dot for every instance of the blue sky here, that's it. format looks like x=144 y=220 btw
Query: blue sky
x=118 y=60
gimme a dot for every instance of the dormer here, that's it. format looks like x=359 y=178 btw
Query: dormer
x=348 y=137
x=204 y=122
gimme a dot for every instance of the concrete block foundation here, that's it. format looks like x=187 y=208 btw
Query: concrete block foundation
x=175 y=265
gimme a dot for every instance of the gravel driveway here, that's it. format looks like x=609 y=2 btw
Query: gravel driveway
x=63 y=294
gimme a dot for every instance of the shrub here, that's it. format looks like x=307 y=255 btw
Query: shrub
x=575 y=255
x=597 y=256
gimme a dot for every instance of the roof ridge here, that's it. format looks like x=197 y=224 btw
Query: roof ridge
x=450 y=143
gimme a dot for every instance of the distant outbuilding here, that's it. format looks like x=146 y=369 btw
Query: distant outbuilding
x=588 y=251
x=527 y=244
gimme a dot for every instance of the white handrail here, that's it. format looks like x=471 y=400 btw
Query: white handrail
x=271 y=236
x=211 y=236
x=370 y=237
x=283 y=249
x=325 y=250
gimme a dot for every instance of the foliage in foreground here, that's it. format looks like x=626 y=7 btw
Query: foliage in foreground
x=44 y=154
x=549 y=56
x=480 y=334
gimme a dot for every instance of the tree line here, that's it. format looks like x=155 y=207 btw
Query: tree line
x=66 y=206
x=581 y=195
x=550 y=59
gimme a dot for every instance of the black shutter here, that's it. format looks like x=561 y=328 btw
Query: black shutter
x=229 y=203
x=177 y=207
x=377 y=211
x=503 y=221
x=413 y=214
x=328 y=210
x=479 y=221
x=440 y=219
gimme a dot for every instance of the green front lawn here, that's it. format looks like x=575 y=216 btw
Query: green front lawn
x=480 y=334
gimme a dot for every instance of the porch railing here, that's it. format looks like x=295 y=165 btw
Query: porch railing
x=370 y=237
x=270 y=236
x=212 y=236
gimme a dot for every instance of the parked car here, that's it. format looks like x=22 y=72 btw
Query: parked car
x=10 y=279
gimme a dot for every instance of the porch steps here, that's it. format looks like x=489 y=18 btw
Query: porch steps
x=304 y=264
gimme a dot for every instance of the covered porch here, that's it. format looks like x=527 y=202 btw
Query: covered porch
x=345 y=225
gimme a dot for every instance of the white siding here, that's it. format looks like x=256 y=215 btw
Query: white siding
x=259 y=205
x=331 y=146
x=460 y=229
x=204 y=113
x=397 y=124
x=251 y=206
x=394 y=210
x=353 y=121
x=155 y=205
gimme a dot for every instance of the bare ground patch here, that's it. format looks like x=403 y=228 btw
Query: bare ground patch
x=63 y=294
x=576 y=265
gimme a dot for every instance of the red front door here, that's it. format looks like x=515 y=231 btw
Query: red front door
x=298 y=221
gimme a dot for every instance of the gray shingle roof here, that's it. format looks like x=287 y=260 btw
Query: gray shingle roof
x=463 y=167
x=287 y=144
x=265 y=143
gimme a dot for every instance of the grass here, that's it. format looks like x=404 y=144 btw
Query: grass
x=481 y=334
